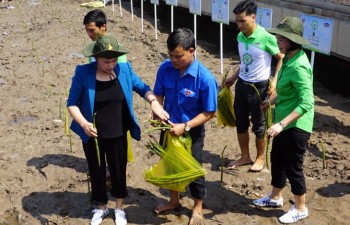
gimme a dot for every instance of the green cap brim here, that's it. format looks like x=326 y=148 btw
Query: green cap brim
x=291 y=36
x=109 y=54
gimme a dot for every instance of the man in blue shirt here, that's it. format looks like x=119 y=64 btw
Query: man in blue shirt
x=188 y=91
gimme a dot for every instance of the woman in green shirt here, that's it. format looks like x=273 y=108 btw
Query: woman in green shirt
x=293 y=120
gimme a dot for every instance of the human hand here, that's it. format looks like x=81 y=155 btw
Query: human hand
x=272 y=89
x=230 y=81
x=158 y=112
x=89 y=129
x=264 y=105
x=177 y=128
x=274 y=130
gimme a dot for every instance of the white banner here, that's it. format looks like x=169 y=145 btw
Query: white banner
x=195 y=7
x=264 y=17
x=220 y=12
x=171 y=2
x=318 y=31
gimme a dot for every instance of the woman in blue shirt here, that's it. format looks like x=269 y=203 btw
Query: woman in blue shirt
x=104 y=89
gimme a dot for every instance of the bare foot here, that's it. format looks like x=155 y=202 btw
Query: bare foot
x=165 y=207
x=241 y=162
x=257 y=166
x=196 y=219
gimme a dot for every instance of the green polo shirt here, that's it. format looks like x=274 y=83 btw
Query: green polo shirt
x=256 y=52
x=295 y=91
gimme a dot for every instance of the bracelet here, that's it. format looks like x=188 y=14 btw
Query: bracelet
x=280 y=123
x=150 y=102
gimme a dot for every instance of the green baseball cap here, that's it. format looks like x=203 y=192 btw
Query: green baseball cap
x=291 y=28
x=106 y=46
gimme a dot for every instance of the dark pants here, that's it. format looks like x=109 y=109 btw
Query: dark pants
x=287 y=157
x=247 y=103
x=115 y=152
x=197 y=187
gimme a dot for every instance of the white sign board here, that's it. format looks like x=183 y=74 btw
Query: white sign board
x=171 y=2
x=318 y=31
x=195 y=7
x=220 y=12
x=264 y=17
x=155 y=2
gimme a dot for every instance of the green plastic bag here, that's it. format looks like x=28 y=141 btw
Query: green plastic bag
x=225 y=112
x=177 y=168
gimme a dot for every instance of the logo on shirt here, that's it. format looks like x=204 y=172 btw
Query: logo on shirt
x=247 y=60
x=188 y=92
x=257 y=44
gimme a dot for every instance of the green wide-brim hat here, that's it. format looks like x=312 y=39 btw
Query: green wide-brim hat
x=106 y=46
x=291 y=28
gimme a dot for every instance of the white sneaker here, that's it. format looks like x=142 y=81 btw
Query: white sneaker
x=268 y=202
x=120 y=218
x=99 y=215
x=293 y=215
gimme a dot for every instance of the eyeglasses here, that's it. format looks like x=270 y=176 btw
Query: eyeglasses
x=175 y=57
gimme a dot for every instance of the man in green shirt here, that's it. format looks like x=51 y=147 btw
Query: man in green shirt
x=256 y=48
x=95 y=23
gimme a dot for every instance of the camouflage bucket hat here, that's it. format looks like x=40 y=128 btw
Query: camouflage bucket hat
x=106 y=46
x=291 y=28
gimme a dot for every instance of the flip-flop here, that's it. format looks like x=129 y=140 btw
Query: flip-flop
x=196 y=219
x=234 y=165
x=163 y=207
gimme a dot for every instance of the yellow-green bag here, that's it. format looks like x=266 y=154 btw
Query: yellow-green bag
x=225 y=112
x=177 y=168
x=130 y=154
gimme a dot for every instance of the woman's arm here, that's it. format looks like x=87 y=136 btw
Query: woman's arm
x=79 y=118
x=156 y=107
x=302 y=82
x=277 y=128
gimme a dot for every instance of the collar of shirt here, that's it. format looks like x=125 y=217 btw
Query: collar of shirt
x=254 y=34
x=287 y=61
x=193 y=68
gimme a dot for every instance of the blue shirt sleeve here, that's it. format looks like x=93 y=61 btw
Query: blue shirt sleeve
x=138 y=85
x=209 y=92
x=159 y=88
x=76 y=90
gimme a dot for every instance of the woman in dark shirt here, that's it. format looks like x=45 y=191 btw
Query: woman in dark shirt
x=104 y=88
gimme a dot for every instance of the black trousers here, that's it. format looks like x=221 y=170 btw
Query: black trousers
x=247 y=103
x=197 y=187
x=115 y=152
x=287 y=158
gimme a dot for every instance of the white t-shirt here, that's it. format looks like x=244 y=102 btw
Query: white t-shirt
x=256 y=53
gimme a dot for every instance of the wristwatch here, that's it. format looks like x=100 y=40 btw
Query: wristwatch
x=187 y=128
